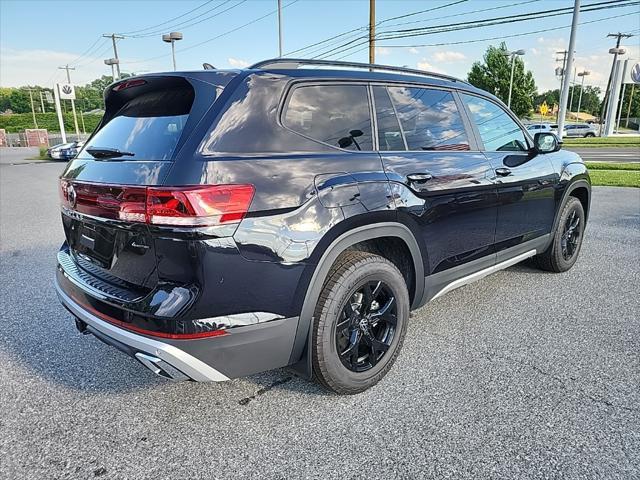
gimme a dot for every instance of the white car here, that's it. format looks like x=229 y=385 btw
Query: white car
x=545 y=127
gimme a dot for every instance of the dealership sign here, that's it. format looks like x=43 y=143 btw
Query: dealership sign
x=635 y=74
x=66 y=91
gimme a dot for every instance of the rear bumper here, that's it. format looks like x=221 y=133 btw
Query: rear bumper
x=141 y=347
x=243 y=351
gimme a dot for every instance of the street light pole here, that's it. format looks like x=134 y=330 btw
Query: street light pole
x=513 y=67
x=113 y=62
x=582 y=74
x=172 y=38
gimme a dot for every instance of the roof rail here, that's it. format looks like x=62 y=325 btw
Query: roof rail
x=293 y=63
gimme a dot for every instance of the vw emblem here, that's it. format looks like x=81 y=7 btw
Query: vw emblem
x=66 y=89
x=71 y=194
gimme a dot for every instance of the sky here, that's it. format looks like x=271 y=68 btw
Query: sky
x=36 y=37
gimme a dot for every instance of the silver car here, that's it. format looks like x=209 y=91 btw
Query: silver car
x=581 y=130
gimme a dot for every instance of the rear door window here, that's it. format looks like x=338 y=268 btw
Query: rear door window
x=337 y=115
x=147 y=127
x=430 y=119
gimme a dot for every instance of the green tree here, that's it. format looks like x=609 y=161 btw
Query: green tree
x=590 y=99
x=550 y=97
x=493 y=74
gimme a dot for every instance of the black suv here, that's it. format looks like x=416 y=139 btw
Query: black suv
x=222 y=223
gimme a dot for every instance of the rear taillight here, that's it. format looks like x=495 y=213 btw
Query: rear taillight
x=195 y=206
x=198 y=206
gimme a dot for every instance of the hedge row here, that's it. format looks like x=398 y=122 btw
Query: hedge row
x=18 y=122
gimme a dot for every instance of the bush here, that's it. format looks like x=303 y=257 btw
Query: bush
x=18 y=122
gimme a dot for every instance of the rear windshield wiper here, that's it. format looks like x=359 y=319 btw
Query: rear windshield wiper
x=103 y=152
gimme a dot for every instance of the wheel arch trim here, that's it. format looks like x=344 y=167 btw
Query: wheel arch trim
x=300 y=353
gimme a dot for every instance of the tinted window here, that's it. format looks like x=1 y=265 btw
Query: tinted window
x=498 y=130
x=149 y=125
x=430 y=119
x=389 y=133
x=333 y=114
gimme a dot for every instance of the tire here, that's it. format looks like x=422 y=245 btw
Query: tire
x=364 y=362
x=567 y=239
x=590 y=134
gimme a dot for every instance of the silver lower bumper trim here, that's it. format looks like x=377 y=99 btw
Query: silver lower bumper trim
x=187 y=364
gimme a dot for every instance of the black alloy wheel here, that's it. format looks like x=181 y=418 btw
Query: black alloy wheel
x=571 y=236
x=366 y=327
x=359 y=322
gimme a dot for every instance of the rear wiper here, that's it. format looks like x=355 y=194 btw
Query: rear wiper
x=103 y=152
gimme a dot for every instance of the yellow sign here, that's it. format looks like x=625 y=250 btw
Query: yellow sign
x=544 y=109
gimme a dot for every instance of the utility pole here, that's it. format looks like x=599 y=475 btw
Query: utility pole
x=372 y=31
x=619 y=36
x=280 y=28
x=573 y=90
x=73 y=103
x=560 y=73
x=113 y=38
x=564 y=96
x=33 y=110
x=41 y=101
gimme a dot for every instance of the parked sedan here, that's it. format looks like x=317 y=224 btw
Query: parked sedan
x=581 y=130
x=64 y=151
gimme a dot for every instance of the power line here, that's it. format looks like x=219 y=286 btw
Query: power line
x=185 y=24
x=350 y=33
x=499 y=37
x=516 y=18
x=273 y=12
x=94 y=46
x=365 y=27
x=168 y=21
x=481 y=23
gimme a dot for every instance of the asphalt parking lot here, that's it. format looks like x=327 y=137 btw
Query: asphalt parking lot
x=524 y=374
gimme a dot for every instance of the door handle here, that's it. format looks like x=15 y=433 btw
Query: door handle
x=419 y=177
x=503 y=172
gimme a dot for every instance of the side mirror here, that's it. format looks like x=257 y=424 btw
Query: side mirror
x=546 y=142
x=345 y=142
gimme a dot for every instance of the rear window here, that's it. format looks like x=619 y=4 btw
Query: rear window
x=337 y=115
x=148 y=126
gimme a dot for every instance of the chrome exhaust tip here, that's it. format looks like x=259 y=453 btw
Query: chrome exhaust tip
x=160 y=367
